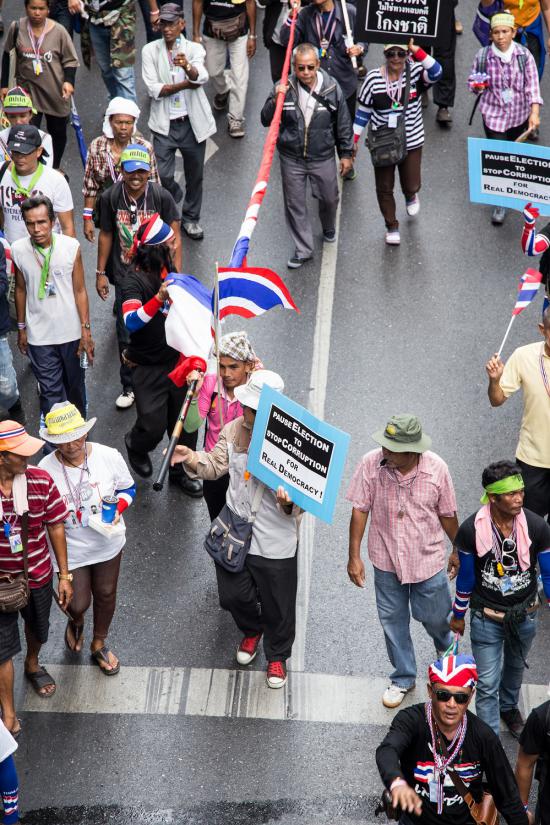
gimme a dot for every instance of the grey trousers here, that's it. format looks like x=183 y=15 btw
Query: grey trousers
x=181 y=137
x=322 y=175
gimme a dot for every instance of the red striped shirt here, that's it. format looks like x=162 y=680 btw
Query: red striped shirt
x=45 y=507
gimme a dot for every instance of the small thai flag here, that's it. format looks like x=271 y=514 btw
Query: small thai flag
x=528 y=287
x=251 y=292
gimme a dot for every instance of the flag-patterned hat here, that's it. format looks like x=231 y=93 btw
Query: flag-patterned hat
x=456 y=671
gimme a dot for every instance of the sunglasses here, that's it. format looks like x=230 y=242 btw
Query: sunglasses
x=305 y=68
x=446 y=696
x=395 y=53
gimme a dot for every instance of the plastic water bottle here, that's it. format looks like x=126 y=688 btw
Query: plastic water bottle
x=84 y=363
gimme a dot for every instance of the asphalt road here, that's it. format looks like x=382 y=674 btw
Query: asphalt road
x=179 y=737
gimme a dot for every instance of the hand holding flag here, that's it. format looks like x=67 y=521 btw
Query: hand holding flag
x=528 y=287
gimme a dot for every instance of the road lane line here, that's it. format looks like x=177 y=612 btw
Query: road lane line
x=318 y=383
x=228 y=694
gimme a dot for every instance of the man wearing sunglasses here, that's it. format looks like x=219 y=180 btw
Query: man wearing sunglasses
x=499 y=547
x=430 y=744
x=315 y=123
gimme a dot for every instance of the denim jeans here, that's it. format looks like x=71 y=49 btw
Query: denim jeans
x=9 y=392
x=499 y=666
x=119 y=82
x=428 y=601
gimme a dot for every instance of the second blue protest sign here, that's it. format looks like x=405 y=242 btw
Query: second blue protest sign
x=293 y=448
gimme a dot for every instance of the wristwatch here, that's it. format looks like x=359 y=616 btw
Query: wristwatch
x=86 y=325
x=66 y=577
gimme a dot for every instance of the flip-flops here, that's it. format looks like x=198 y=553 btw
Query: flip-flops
x=102 y=655
x=78 y=631
x=41 y=679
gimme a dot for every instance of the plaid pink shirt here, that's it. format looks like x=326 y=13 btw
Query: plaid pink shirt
x=412 y=547
x=498 y=114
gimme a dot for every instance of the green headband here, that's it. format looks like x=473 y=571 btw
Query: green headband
x=510 y=484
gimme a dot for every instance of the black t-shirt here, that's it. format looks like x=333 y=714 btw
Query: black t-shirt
x=147 y=345
x=535 y=739
x=222 y=10
x=118 y=221
x=488 y=586
x=406 y=751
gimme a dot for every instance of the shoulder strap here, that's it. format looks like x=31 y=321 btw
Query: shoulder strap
x=115 y=190
x=3 y=169
x=324 y=102
x=257 y=500
x=522 y=60
x=482 y=64
x=25 y=542
x=407 y=87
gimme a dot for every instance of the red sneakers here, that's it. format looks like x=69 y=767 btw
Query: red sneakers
x=248 y=649
x=276 y=675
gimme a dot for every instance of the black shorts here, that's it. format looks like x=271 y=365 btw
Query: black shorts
x=36 y=616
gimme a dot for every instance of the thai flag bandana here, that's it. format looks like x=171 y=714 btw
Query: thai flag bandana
x=152 y=232
x=457 y=671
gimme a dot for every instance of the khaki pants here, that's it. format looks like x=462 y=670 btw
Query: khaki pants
x=233 y=80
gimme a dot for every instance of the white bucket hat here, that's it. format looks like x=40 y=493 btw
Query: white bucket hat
x=249 y=394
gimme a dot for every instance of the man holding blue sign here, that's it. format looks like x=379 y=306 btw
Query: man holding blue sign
x=268 y=572
x=409 y=493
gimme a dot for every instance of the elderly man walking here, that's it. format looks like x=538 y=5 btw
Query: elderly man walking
x=314 y=124
x=408 y=491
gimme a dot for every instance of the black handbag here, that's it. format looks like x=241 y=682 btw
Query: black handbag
x=388 y=145
x=228 y=540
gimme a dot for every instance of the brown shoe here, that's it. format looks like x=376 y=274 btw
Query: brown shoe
x=444 y=116
x=514 y=721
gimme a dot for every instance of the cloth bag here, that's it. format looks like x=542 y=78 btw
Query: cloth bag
x=14 y=587
x=388 y=145
x=229 y=538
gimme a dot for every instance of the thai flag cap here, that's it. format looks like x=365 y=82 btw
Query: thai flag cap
x=456 y=671
x=528 y=287
x=15 y=439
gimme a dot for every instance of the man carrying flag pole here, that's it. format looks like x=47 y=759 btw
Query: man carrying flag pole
x=528 y=368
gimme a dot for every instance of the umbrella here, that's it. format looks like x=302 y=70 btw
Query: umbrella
x=77 y=126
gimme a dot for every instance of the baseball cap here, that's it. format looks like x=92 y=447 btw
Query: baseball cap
x=15 y=439
x=24 y=139
x=249 y=394
x=18 y=101
x=135 y=157
x=170 y=12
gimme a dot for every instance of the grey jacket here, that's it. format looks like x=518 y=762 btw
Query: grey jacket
x=156 y=74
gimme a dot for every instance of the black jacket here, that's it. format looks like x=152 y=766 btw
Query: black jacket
x=329 y=128
x=406 y=751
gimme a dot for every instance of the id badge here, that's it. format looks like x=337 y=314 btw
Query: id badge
x=16 y=545
x=324 y=44
x=433 y=791
x=392 y=121
x=50 y=288
x=37 y=67
x=84 y=517
x=507 y=95
x=506 y=585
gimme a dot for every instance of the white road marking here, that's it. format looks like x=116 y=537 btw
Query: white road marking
x=318 y=383
x=229 y=694
x=211 y=149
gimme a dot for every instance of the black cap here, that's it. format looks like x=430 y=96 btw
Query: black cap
x=171 y=12
x=24 y=139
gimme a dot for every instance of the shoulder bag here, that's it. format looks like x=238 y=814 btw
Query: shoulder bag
x=14 y=587
x=388 y=145
x=228 y=540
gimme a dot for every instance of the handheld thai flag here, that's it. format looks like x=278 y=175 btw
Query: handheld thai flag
x=528 y=286
x=77 y=126
x=250 y=292
x=188 y=325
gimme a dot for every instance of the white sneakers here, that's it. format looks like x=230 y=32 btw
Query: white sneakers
x=394 y=695
x=125 y=399
x=413 y=206
x=393 y=238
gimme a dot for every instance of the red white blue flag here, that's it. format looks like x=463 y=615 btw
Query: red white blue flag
x=249 y=292
x=528 y=287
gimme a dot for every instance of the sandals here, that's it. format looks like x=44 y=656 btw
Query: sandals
x=78 y=632
x=102 y=655
x=39 y=680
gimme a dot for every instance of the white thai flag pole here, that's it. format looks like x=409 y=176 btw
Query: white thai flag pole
x=349 y=34
x=217 y=336
x=528 y=288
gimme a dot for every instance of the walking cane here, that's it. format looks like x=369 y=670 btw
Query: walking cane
x=176 y=432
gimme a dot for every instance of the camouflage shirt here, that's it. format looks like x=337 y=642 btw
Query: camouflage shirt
x=120 y=16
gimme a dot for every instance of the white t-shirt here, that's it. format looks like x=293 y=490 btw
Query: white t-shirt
x=53 y=319
x=46 y=143
x=50 y=183
x=176 y=102
x=107 y=472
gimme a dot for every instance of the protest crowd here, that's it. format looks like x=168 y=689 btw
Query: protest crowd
x=64 y=497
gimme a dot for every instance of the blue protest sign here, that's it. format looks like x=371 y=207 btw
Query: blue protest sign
x=508 y=174
x=293 y=448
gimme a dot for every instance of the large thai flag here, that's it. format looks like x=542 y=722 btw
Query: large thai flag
x=250 y=292
x=188 y=325
x=528 y=288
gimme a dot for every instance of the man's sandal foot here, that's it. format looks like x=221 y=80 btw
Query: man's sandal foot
x=77 y=631
x=41 y=679
x=101 y=658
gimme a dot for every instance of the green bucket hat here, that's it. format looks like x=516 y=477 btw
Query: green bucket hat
x=403 y=434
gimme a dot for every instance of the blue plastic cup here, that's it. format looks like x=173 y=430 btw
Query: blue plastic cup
x=108 y=509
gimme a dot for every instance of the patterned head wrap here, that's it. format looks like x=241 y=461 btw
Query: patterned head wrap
x=237 y=345
x=456 y=671
x=503 y=19
x=119 y=106
x=152 y=232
